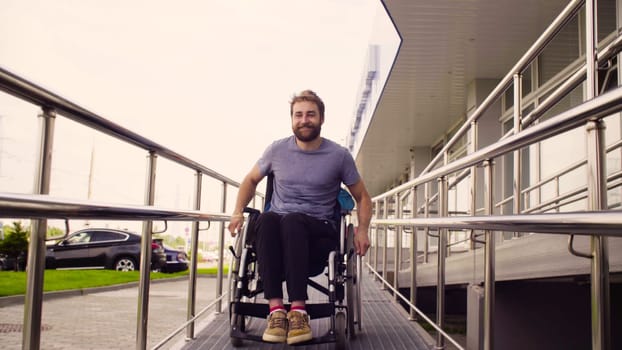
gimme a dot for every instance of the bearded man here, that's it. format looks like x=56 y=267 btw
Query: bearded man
x=296 y=235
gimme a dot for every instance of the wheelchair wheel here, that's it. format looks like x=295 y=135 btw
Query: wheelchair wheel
x=234 y=267
x=351 y=282
x=359 y=295
x=237 y=322
x=340 y=331
x=240 y=322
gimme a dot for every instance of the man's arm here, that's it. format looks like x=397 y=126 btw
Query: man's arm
x=245 y=194
x=363 y=209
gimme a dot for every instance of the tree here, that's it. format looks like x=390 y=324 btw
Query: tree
x=15 y=244
x=54 y=232
x=173 y=241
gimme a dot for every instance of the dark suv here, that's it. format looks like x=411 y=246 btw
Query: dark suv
x=102 y=247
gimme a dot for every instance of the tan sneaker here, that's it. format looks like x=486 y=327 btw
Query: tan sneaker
x=276 y=332
x=299 y=330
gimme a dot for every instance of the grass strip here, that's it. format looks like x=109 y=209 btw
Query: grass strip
x=14 y=283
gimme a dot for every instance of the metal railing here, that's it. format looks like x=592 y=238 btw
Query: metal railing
x=582 y=223
x=44 y=207
x=41 y=207
x=597 y=221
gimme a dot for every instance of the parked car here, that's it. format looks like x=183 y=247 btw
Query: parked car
x=176 y=259
x=102 y=247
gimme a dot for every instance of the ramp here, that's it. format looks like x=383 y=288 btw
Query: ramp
x=385 y=325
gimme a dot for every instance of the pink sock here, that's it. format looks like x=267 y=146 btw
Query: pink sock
x=277 y=308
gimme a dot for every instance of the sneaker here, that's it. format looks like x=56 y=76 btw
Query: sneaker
x=276 y=332
x=299 y=330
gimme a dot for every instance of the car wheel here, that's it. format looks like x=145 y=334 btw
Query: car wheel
x=125 y=264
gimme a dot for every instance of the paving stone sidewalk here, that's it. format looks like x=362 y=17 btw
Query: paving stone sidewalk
x=107 y=319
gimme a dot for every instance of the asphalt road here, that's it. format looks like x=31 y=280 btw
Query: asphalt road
x=107 y=319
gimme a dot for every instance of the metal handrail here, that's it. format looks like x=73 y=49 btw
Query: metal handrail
x=421 y=314
x=31 y=92
x=607 y=53
x=45 y=207
x=578 y=70
x=180 y=328
x=568 y=169
x=572 y=76
x=595 y=108
x=42 y=206
x=532 y=53
x=557 y=175
x=574 y=196
x=553 y=91
x=599 y=223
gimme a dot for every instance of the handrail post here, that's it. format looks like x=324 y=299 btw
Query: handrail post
x=518 y=112
x=413 y=255
x=473 y=178
x=489 y=267
x=397 y=256
x=192 y=282
x=221 y=248
x=597 y=200
x=33 y=302
x=142 y=316
x=385 y=231
x=597 y=192
x=441 y=253
x=376 y=242
x=534 y=50
x=426 y=214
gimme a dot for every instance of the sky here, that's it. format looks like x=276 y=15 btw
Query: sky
x=210 y=80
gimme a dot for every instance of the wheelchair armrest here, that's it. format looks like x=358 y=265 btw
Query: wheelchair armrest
x=251 y=210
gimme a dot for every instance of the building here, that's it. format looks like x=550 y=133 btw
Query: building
x=446 y=89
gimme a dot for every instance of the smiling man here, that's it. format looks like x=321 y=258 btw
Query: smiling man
x=296 y=235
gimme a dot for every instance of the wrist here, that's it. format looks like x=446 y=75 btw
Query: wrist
x=237 y=215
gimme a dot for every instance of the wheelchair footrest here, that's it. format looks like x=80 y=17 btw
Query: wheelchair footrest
x=251 y=309
x=320 y=310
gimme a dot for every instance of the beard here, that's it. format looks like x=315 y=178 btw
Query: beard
x=307 y=132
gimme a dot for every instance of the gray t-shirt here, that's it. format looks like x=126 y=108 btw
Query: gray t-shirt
x=307 y=181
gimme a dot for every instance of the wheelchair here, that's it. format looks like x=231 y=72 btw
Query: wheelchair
x=342 y=287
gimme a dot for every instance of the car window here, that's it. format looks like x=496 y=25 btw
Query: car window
x=100 y=236
x=78 y=238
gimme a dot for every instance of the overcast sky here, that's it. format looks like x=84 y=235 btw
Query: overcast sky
x=208 y=79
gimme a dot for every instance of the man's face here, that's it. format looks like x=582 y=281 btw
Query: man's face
x=306 y=121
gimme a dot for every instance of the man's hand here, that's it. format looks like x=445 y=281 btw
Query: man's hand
x=237 y=220
x=361 y=241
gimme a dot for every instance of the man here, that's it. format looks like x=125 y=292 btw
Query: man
x=295 y=237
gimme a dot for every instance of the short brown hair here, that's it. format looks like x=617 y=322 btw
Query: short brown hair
x=310 y=96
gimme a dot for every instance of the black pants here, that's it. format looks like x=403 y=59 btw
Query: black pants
x=292 y=247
